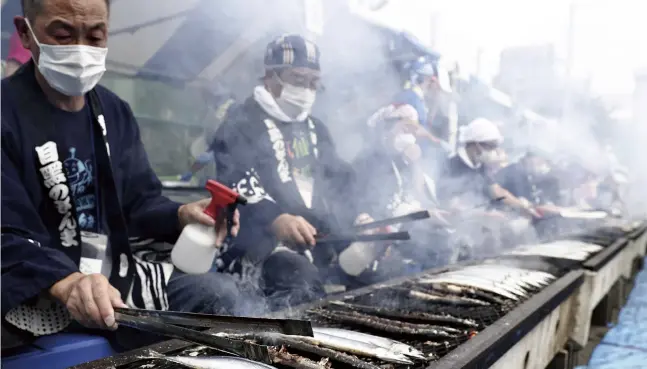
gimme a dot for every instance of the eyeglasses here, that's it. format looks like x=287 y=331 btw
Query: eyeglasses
x=302 y=79
x=488 y=145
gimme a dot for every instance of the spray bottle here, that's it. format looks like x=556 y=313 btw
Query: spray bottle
x=195 y=249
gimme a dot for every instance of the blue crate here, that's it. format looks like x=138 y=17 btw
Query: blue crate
x=60 y=351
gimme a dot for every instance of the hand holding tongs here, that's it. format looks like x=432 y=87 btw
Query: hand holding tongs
x=393 y=236
x=173 y=324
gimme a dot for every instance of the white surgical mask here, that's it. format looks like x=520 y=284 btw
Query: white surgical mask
x=488 y=157
x=72 y=70
x=403 y=140
x=540 y=170
x=295 y=101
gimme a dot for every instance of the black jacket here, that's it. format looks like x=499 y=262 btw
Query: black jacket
x=31 y=256
x=541 y=191
x=383 y=182
x=254 y=156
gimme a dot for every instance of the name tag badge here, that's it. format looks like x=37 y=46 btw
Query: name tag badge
x=90 y=266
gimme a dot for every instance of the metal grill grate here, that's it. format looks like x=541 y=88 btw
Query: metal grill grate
x=388 y=310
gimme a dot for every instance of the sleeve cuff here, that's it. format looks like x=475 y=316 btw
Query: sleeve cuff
x=30 y=271
x=161 y=223
x=262 y=213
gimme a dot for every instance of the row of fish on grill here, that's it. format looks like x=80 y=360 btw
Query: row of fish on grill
x=343 y=340
x=508 y=282
x=563 y=249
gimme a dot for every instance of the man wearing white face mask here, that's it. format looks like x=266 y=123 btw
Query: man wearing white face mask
x=73 y=162
x=284 y=161
x=464 y=181
x=390 y=182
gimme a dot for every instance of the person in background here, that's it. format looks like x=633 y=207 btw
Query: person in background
x=463 y=180
x=390 y=165
x=533 y=178
x=218 y=107
x=582 y=188
x=284 y=161
x=390 y=182
x=73 y=162
x=611 y=189
x=427 y=81
x=17 y=56
x=473 y=197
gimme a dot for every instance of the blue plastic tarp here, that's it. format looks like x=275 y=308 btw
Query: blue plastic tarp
x=625 y=345
x=628 y=334
x=613 y=357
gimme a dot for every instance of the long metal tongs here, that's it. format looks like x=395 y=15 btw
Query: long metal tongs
x=418 y=215
x=173 y=324
x=353 y=236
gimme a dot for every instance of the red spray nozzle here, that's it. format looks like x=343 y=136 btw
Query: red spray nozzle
x=221 y=196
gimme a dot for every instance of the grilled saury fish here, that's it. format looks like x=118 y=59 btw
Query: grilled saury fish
x=355 y=347
x=209 y=362
x=392 y=345
x=483 y=285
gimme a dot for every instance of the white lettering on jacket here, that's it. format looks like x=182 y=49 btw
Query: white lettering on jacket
x=54 y=179
x=276 y=137
x=313 y=138
x=251 y=188
x=104 y=131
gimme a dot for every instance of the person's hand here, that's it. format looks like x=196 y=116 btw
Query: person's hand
x=186 y=177
x=365 y=219
x=532 y=212
x=528 y=209
x=494 y=214
x=440 y=216
x=194 y=213
x=294 y=229
x=90 y=299
x=548 y=209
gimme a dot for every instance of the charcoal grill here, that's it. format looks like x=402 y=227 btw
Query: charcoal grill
x=497 y=335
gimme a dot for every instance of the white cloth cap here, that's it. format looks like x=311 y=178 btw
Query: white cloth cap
x=480 y=130
x=389 y=112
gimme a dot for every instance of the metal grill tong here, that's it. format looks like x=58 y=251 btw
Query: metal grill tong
x=174 y=324
x=393 y=236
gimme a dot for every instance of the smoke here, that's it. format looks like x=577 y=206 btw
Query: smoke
x=359 y=78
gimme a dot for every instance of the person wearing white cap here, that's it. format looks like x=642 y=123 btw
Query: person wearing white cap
x=390 y=182
x=465 y=172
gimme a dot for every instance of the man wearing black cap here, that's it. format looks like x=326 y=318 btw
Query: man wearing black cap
x=283 y=160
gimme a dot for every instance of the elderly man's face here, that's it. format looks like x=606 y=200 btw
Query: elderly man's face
x=66 y=22
x=301 y=77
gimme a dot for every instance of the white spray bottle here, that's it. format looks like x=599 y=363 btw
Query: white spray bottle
x=195 y=249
